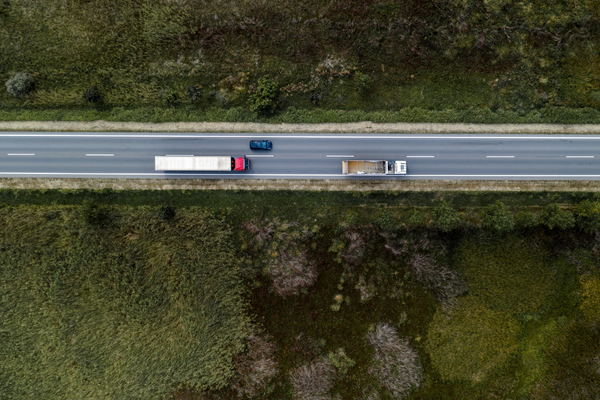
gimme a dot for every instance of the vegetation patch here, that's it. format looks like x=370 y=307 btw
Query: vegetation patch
x=222 y=295
x=134 y=307
x=470 y=341
x=506 y=273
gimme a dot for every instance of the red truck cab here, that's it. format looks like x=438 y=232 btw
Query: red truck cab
x=240 y=164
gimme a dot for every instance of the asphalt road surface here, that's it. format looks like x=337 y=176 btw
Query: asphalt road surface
x=299 y=156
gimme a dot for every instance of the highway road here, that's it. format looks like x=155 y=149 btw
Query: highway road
x=299 y=156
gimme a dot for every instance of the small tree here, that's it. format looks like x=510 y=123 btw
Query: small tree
x=92 y=95
x=553 y=216
x=415 y=218
x=526 y=219
x=194 y=92
x=497 y=217
x=362 y=82
x=587 y=215
x=386 y=220
x=20 y=85
x=446 y=217
x=263 y=102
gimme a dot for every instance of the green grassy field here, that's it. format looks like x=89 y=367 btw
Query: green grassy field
x=211 y=295
x=451 y=61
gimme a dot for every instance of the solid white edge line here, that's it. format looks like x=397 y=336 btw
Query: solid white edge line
x=257 y=155
x=200 y=174
x=99 y=155
x=580 y=156
x=420 y=156
x=339 y=156
x=20 y=154
x=500 y=156
x=313 y=136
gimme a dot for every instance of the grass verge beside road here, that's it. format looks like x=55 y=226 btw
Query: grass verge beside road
x=300 y=184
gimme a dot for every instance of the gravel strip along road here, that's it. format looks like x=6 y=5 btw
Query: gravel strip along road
x=355 y=127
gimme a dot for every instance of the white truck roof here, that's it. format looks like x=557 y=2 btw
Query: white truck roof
x=192 y=163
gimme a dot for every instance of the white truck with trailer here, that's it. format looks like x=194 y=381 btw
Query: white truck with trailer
x=373 y=167
x=200 y=163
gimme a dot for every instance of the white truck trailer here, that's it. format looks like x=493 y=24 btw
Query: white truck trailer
x=200 y=163
x=373 y=167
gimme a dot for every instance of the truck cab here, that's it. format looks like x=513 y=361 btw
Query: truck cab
x=240 y=164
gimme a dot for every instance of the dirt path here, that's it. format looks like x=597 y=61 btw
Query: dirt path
x=358 y=127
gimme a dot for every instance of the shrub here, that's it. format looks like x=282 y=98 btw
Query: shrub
x=471 y=340
x=166 y=212
x=396 y=364
x=341 y=361
x=20 y=85
x=496 y=217
x=386 y=220
x=446 y=284
x=316 y=98
x=291 y=270
x=587 y=215
x=526 y=219
x=505 y=274
x=263 y=102
x=194 y=92
x=289 y=265
x=362 y=82
x=415 y=218
x=171 y=98
x=262 y=230
x=555 y=217
x=92 y=95
x=312 y=382
x=256 y=367
x=446 y=217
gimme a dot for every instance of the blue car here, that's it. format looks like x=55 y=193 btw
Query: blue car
x=261 y=145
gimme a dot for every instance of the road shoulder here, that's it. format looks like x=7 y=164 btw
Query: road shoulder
x=356 y=127
x=304 y=184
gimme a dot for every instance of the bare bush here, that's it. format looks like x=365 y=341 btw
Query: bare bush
x=290 y=272
x=446 y=284
x=256 y=367
x=398 y=251
x=366 y=290
x=354 y=251
x=305 y=346
x=397 y=365
x=369 y=393
x=312 y=382
x=262 y=230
